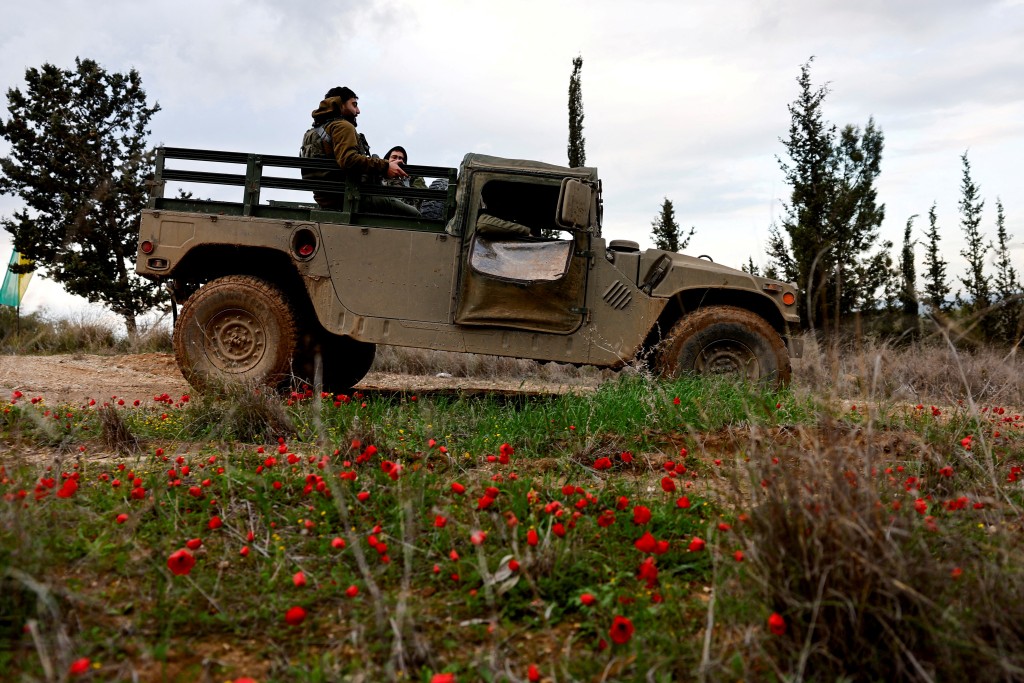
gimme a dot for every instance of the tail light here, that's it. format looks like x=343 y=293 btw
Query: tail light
x=304 y=244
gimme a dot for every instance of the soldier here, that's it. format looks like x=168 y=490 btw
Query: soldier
x=334 y=135
x=398 y=153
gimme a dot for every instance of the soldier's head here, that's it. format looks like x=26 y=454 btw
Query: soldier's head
x=349 y=102
x=397 y=153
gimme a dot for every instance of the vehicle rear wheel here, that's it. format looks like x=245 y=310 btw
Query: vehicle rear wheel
x=725 y=340
x=235 y=330
x=344 y=360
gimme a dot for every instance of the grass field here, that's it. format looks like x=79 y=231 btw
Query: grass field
x=663 y=531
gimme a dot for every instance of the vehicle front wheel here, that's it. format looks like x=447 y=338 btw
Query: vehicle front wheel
x=235 y=330
x=725 y=340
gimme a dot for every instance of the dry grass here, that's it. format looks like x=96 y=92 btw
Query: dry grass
x=83 y=332
x=116 y=434
x=877 y=579
x=928 y=371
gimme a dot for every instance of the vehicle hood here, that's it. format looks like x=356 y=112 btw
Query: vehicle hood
x=690 y=272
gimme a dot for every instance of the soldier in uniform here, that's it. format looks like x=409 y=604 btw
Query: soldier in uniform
x=334 y=135
x=398 y=153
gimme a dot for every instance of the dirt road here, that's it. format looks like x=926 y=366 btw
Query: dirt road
x=74 y=379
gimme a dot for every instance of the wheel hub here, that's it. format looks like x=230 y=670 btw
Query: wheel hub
x=235 y=341
x=728 y=357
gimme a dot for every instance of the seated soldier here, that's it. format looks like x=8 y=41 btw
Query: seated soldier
x=398 y=153
x=333 y=136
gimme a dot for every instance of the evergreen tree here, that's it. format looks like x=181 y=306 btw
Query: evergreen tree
x=666 y=232
x=78 y=161
x=874 y=280
x=856 y=217
x=577 y=144
x=936 y=287
x=1009 y=322
x=832 y=217
x=908 y=273
x=750 y=267
x=977 y=285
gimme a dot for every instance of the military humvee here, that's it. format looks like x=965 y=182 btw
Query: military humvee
x=283 y=290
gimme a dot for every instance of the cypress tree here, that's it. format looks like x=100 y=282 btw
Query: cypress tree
x=977 y=285
x=908 y=273
x=1007 y=286
x=577 y=144
x=936 y=287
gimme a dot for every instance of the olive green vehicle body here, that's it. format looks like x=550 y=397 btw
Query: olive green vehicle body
x=447 y=284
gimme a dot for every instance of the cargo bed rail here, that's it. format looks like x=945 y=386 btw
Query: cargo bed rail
x=254 y=180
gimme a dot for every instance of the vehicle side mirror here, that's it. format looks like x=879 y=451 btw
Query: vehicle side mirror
x=574 y=202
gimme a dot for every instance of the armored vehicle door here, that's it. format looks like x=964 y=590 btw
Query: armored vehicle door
x=520 y=269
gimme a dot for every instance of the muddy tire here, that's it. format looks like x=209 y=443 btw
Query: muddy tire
x=236 y=330
x=344 y=360
x=725 y=340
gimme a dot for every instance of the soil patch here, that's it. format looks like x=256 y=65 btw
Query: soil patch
x=76 y=378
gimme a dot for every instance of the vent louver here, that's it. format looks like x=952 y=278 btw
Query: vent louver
x=617 y=296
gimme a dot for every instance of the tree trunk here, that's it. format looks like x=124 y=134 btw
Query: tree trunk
x=130 y=325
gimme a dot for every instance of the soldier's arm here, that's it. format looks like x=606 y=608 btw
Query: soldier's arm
x=346 y=150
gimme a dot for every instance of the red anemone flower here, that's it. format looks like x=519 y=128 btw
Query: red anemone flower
x=79 y=667
x=621 y=630
x=181 y=562
x=646 y=543
x=641 y=514
x=67 y=489
x=295 y=616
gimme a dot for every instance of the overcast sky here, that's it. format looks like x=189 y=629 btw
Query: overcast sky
x=685 y=100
